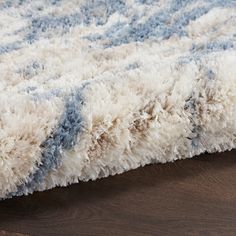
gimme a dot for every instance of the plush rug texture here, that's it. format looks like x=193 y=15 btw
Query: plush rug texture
x=91 y=88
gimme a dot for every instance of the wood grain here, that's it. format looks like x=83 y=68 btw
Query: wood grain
x=7 y=233
x=189 y=197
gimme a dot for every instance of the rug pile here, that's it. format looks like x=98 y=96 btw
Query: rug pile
x=92 y=88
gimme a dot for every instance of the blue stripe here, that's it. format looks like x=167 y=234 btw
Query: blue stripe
x=158 y=26
x=10 y=47
x=63 y=138
x=199 y=50
x=43 y=24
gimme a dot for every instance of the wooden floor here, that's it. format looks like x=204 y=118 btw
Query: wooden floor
x=189 y=197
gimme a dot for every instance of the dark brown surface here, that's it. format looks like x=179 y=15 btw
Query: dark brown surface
x=7 y=233
x=190 y=197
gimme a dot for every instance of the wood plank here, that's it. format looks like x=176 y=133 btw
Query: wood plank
x=189 y=197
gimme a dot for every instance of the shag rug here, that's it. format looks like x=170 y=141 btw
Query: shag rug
x=91 y=88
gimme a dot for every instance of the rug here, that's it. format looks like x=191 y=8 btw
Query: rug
x=92 y=88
